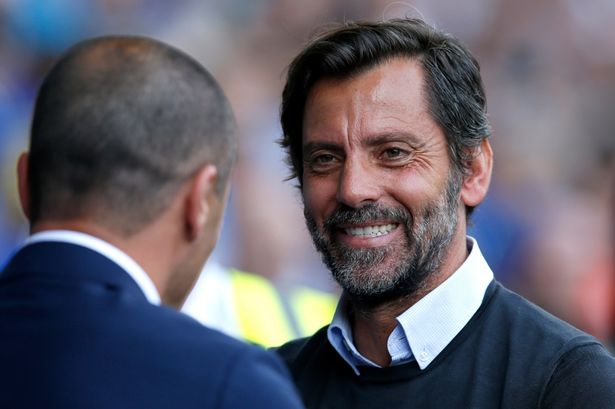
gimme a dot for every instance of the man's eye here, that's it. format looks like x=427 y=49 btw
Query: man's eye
x=394 y=153
x=322 y=162
x=323 y=159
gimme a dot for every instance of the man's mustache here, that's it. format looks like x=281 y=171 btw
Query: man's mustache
x=345 y=215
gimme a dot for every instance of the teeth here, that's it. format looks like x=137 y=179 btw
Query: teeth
x=370 y=231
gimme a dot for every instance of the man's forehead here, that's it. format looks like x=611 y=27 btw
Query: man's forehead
x=400 y=73
x=387 y=99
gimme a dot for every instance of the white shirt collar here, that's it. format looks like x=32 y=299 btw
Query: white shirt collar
x=106 y=249
x=430 y=324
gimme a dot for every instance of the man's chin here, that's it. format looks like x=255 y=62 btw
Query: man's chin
x=367 y=287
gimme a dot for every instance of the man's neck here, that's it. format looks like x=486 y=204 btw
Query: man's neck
x=141 y=247
x=373 y=324
x=371 y=330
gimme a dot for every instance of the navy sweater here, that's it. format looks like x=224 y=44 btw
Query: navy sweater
x=511 y=355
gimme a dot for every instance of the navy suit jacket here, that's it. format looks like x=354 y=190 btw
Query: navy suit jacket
x=77 y=332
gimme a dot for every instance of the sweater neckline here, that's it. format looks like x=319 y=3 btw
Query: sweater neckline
x=411 y=369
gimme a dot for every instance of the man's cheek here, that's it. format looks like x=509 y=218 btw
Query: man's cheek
x=311 y=203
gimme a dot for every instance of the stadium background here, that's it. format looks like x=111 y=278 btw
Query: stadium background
x=549 y=71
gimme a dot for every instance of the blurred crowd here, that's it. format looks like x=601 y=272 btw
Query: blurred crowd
x=547 y=228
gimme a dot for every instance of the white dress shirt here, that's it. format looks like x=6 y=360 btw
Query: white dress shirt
x=427 y=327
x=108 y=250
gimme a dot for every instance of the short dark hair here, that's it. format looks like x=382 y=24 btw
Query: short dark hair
x=119 y=124
x=454 y=87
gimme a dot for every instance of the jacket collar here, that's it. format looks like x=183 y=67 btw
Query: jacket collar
x=70 y=262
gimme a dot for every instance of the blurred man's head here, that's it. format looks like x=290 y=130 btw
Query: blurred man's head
x=122 y=127
x=385 y=127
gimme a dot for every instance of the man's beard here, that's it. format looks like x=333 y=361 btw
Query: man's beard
x=372 y=276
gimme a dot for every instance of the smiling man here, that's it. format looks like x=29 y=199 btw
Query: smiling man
x=386 y=129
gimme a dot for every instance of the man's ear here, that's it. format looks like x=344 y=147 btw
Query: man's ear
x=475 y=185
x=203 y=185
x=22 y=184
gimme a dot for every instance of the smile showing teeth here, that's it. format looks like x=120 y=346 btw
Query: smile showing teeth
x=370 y=231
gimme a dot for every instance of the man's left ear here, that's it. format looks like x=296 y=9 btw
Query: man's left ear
x=197 y=203
x=475 y=185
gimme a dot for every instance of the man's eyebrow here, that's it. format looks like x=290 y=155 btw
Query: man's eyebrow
x=387 y=137
x=328 y=146
x=374 y=140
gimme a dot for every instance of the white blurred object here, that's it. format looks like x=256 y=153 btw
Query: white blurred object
x=211 y=300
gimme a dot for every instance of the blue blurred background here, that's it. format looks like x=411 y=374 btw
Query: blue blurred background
x=549 y=71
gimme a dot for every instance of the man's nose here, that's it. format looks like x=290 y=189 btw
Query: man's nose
x=358 y=184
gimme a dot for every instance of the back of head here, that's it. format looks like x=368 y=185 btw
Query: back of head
x=453 y=84
x=119 y=124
